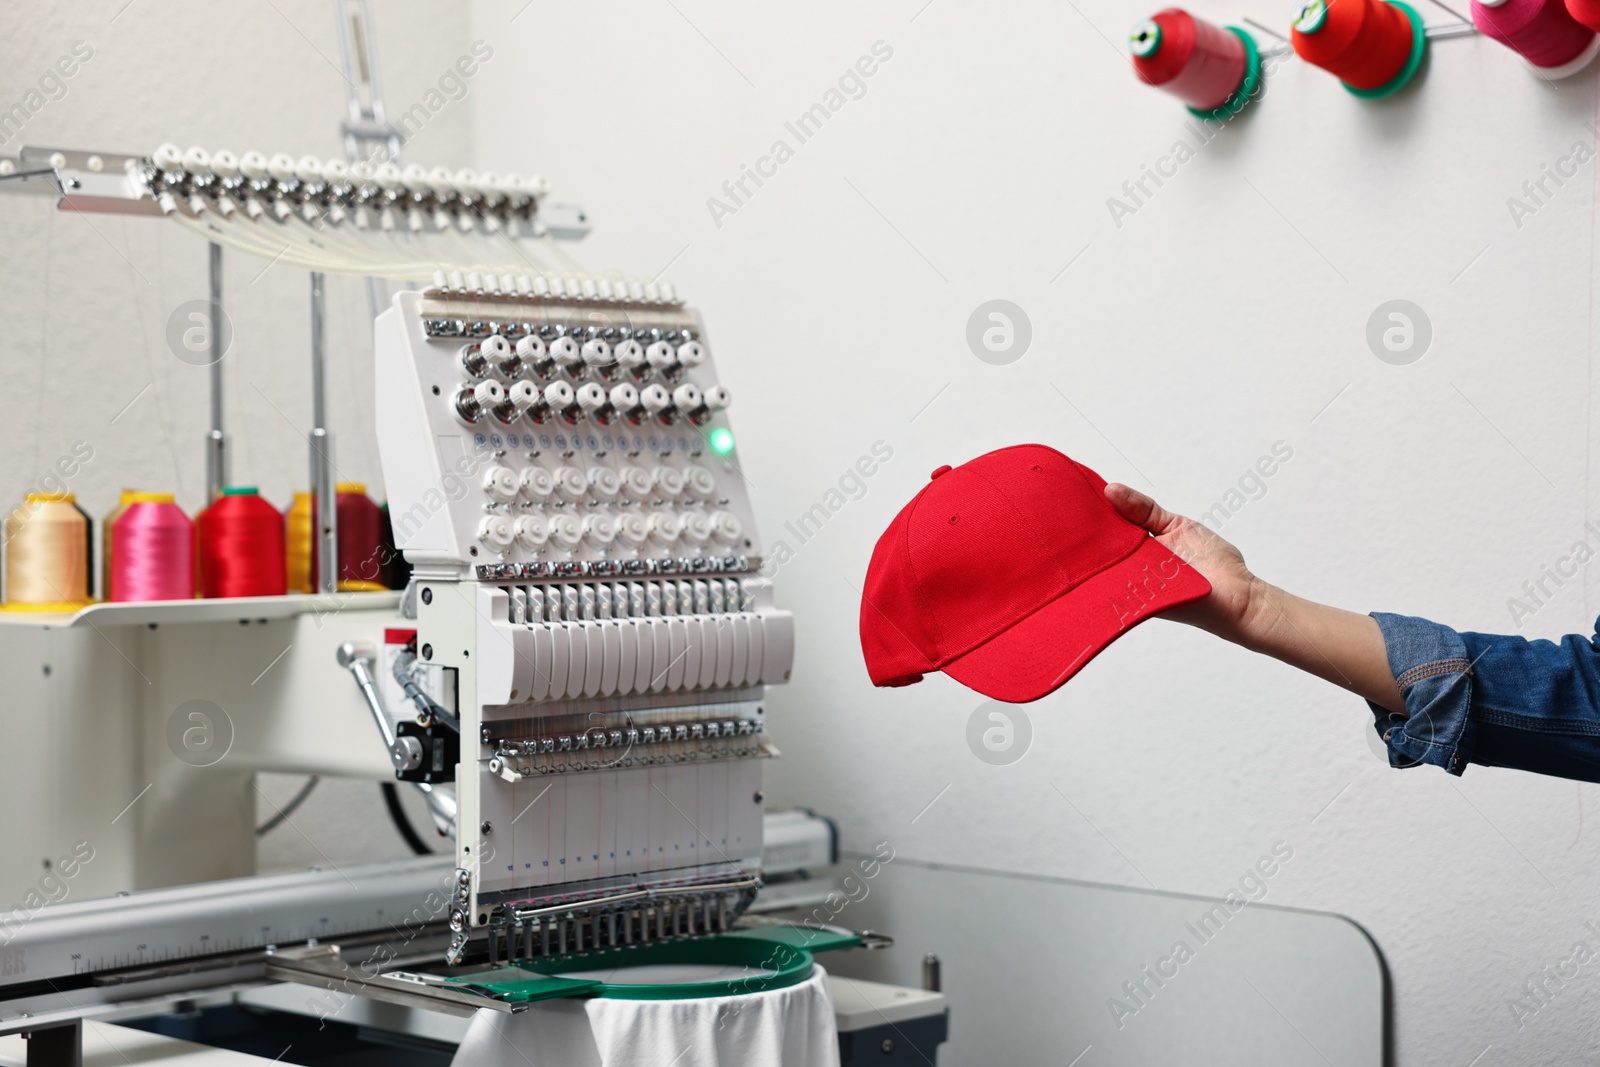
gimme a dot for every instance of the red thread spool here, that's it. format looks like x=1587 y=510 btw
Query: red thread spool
x=360 y=541
x=151 y=550
x=1586 y=12
x=1203 y=65
x=1541 y=31
x=1372 y=46
x=241 y=546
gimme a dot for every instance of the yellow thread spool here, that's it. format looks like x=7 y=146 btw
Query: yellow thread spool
x=298 y=524
x=47 y=555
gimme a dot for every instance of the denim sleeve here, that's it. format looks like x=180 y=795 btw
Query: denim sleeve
x=1434 y=672
x=1493 y=699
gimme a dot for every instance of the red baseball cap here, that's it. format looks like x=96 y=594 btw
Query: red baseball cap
x=1009 y=573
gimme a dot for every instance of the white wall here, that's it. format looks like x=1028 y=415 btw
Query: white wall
x=1222 y=317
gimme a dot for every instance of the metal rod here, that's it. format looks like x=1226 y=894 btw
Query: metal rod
x=216 y=437
x=322 y=485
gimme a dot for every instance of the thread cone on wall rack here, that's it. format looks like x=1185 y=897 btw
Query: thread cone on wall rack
x=47 y=555
x=1586 y=12
x=1214 y=70
x=1544 y=32
x=1374 y=47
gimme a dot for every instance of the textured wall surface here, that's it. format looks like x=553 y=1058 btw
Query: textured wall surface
x=1226 y=313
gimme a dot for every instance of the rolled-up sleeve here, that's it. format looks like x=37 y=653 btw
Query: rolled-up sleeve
x=1493 y=699
x=1434 y=672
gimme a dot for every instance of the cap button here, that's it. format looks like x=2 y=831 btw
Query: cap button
x=938 y=471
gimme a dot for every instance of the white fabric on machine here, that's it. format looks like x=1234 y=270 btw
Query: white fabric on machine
x=792 y=1027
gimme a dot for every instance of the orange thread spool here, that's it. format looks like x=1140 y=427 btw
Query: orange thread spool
x=1372 y=46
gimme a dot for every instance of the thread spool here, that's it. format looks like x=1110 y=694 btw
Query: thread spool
x=1541 y=31
x=396 y=570
x=105 y=538
x=1586 y=12
x=1373 y=47
x=1213 y=69
x=298 y=530
x=47 y=555
x=151 y=547
x=360 y=541
x=241 y=546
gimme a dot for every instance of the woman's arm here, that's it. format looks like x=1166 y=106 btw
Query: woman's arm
x=1337 y=645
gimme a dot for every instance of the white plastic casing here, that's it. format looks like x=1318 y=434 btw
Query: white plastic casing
x=664 y=527
x=488 y=393
x=496 y=531
x=530 y=348
x=566 y=530
x=624 y=397
x=600 y=530
x=537 y=483
x=523 y=394
x=637 y=481
x=717 y=398
x=558 y=395
x=686 y=397
x=564 y=350
x=501 y=483
x=632 y=528
x=699 y=480
x=669 y=481
x=691 y=354
x=725 y=526
x=591 y=397
x=654 y=398
x=570 y=480
x=629 y=354
x=695 y=527
x=596 y=353
x=428 y=450
x=605 y=481
x=661 y=356
x=531 y=531
x=495 y=347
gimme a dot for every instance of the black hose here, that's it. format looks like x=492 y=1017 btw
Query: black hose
x=289 y=808
x=391 y=799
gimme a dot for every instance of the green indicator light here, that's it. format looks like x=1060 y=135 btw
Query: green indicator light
x=721 y=440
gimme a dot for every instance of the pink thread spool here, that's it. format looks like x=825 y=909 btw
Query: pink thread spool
x=153 y=557
x=1541 y=31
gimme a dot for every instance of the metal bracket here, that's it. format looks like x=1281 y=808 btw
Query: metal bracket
x=460 y=916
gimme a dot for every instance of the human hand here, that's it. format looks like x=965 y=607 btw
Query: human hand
x=1237 y=597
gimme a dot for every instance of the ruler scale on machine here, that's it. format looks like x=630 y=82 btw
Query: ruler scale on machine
x=561 y=477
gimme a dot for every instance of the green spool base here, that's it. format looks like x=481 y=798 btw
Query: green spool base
x=778 y=957
x=1419 y=45
x=1247 y=88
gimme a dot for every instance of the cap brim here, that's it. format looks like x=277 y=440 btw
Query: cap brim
x=1036 y=656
